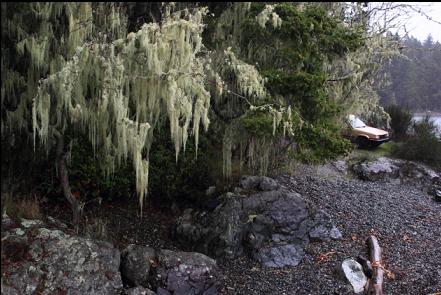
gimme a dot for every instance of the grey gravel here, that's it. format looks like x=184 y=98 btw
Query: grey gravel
x=404 y=218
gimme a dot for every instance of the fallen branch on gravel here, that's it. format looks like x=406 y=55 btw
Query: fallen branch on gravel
x=375 y=284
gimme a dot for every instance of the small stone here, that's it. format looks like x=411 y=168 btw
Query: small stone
x=335 y=234
x=323 y=233
x=353 y=272
x=437 y=195
x=367 y=266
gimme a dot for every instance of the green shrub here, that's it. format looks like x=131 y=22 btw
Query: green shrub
x=316 y=144
x=185 y=179
x=88 y=181
x=422 y=146
x=401 y=120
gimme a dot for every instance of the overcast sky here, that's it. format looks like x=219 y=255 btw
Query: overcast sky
x=419 y=26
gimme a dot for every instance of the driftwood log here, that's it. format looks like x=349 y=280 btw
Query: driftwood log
x=375 y=285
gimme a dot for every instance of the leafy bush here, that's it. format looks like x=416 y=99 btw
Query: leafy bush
x=316 y=144
x=185 y=179
x=168 y=180
x=401 y=120
x=88 y=181
x=423 y=145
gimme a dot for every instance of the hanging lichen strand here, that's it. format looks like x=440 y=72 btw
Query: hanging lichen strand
x=264 y=16
x=134 y=81
x=228 y=27
x=352 y=77
x=41 y=40
x=247 y=79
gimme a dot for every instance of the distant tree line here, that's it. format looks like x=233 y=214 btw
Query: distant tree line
x=414 y=78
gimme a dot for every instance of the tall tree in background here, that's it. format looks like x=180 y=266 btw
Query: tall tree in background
x=415 y=76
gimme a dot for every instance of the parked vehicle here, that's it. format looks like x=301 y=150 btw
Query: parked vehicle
x=363 y=135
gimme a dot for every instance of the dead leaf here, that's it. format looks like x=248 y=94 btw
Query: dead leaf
x=406 y=238
x=324 y=257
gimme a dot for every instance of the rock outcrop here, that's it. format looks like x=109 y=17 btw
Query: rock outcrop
x=38 y=258
x=274 y=225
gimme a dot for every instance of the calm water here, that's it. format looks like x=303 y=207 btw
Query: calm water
x=435 y=117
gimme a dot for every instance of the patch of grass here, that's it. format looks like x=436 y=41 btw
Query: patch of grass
x=384 y=150
x=21 y=207
x=96 y=228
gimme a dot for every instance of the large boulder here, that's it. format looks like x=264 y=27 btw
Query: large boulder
x=182 y=273
x=169 y=272
x=218 y=234
x=256 y=222
x=386 y=169
x=136 y=262
x=40 y=259
x=379 y=169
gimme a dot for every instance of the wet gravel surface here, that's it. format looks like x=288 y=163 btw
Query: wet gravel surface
x=406 y=221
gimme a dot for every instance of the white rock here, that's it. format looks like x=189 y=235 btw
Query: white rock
x=353 y=272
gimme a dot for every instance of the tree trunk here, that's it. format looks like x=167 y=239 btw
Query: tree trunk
x=376 y=283
x=64 y=180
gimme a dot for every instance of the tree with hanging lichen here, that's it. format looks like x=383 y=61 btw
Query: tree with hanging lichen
x=257 y=74
x=115 y=90
x=112 y=86
x=37 y=39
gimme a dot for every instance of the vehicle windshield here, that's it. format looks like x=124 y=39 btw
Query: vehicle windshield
x=356 y=122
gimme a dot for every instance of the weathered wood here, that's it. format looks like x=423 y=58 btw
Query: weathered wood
x=375 y=285
x=64 y=180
